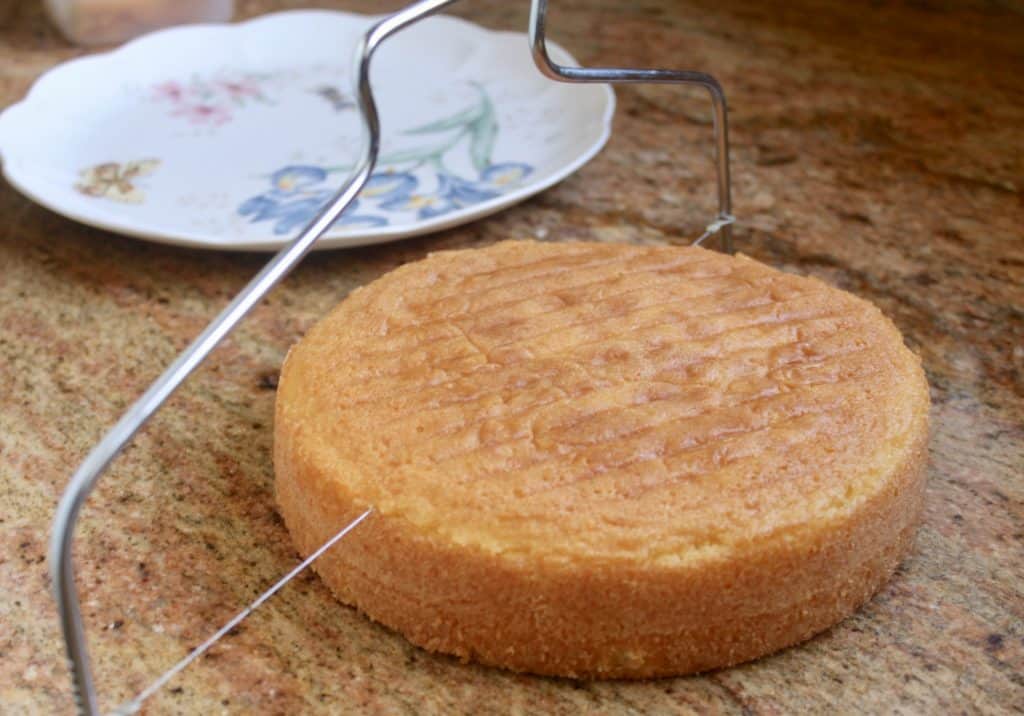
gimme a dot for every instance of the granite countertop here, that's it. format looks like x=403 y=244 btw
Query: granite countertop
x=876 y=146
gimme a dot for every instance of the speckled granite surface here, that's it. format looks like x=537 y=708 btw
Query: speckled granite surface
x=879 y=147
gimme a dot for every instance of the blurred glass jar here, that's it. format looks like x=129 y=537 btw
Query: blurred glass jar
x=105 y=22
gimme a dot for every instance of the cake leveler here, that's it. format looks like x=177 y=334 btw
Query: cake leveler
x=85 y=478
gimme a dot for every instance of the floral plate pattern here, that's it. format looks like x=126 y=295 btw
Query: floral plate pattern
x=234 y=136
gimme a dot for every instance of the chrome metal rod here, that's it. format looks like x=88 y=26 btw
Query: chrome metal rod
x=85 y=478
x=548 y=67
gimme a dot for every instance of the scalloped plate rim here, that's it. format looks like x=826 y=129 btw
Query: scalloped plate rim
x=9 y=160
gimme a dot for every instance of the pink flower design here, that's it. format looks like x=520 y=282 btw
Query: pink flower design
x=209 y=101
x=204 y=114
x=239 y=90
x=171 y=91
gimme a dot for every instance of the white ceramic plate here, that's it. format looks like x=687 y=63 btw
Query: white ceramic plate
x=231 y=136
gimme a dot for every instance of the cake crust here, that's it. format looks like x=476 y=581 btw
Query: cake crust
x=602 y=460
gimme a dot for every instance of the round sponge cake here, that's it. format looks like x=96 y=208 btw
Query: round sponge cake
x=601 y=460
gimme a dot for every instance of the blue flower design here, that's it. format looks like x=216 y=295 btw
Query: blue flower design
x=506 y=173
x=452 y=193
x=462 y=192
x=294 y=199
x=260 y=208
x=297 y=192
x=296 y=179
x=425 y=205
x=389 y=186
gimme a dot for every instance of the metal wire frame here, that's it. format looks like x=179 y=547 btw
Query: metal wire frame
x=85 y=477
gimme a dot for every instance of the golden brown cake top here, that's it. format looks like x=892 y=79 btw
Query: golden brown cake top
x=581 y=401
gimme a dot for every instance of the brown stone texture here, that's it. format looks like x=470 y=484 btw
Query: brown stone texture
x=878 y=146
